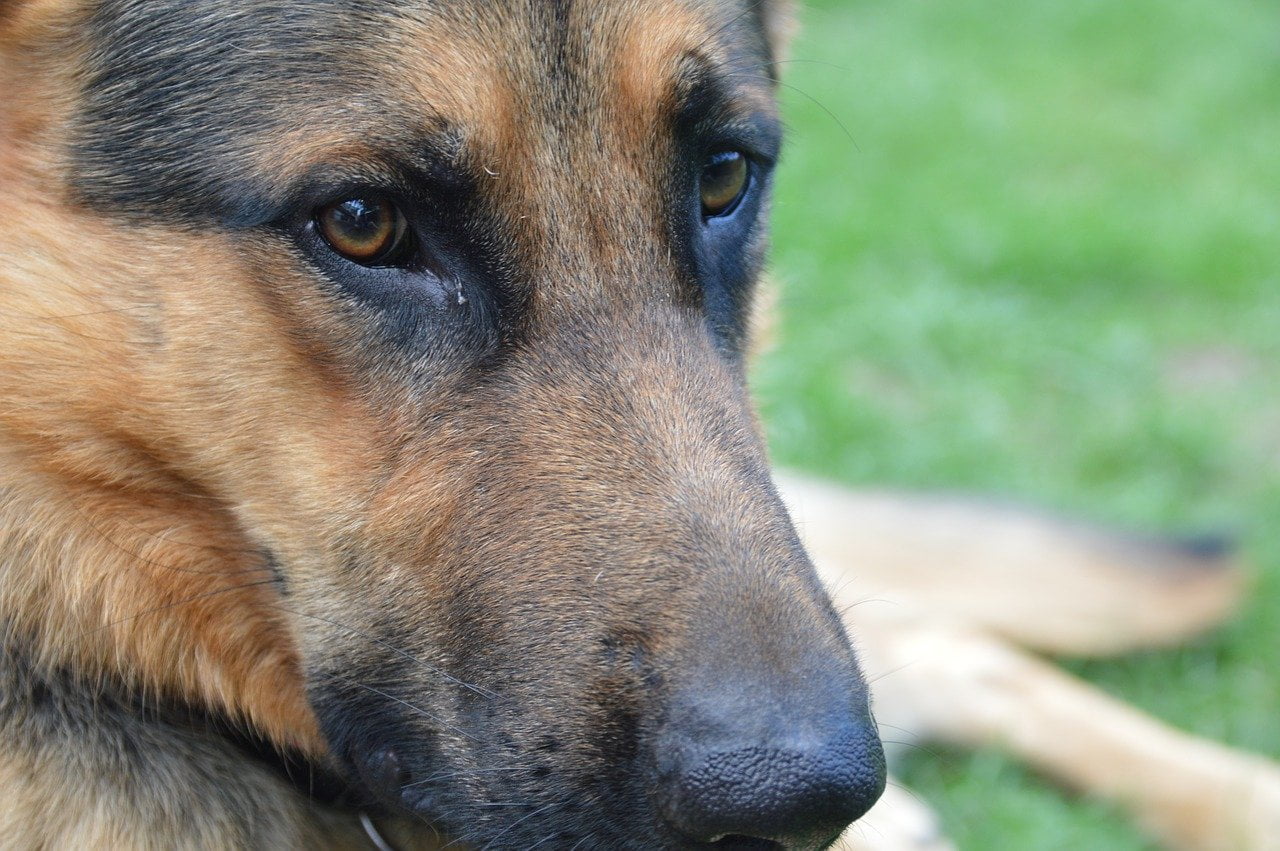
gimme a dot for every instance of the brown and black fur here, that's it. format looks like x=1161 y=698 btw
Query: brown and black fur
x=281 y=537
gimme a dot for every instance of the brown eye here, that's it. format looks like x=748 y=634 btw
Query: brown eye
x=370 y=231
x=723 y=183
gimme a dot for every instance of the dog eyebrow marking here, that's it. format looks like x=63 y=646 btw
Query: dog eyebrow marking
x=713 y=101
x=185 y=109
x=422 y=165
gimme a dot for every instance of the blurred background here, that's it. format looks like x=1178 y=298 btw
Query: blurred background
x=1032 y=248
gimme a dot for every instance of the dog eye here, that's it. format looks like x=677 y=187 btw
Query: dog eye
x=723 y=183
x=370 y=231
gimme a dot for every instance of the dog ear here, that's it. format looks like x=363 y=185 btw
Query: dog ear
x=779 y=22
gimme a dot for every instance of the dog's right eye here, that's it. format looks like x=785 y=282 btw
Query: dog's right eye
x=369 y=230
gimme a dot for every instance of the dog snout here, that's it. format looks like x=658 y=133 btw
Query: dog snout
x=751 y=773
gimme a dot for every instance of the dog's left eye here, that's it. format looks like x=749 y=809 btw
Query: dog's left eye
x=368 y=230
x=724 y=180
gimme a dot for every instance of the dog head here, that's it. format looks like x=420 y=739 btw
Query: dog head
x=431 y=315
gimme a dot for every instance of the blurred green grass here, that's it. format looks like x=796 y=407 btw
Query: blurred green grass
x=1032 y=248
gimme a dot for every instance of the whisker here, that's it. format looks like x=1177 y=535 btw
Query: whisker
x=924 y=749
x=896 y=727
x=448 y=775
x=889 y=672
x=153 y=563
x=483 y=692
x=921 y=801
x=64 y=330
x=723 y=28
x=844 y=610
x=519 y=821
x=540 y=841
x=418 y=709
x=457 y=841
x=182 y=602
x=822 y=106
x=57 y=316
x=503 y=804
x=818 y=104
x=755 y=69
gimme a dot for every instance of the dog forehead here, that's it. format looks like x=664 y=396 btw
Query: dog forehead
x=191 y=106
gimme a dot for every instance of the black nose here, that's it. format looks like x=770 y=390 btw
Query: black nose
x=793 y=790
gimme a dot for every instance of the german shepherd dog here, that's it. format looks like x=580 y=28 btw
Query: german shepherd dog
x=373 y=435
